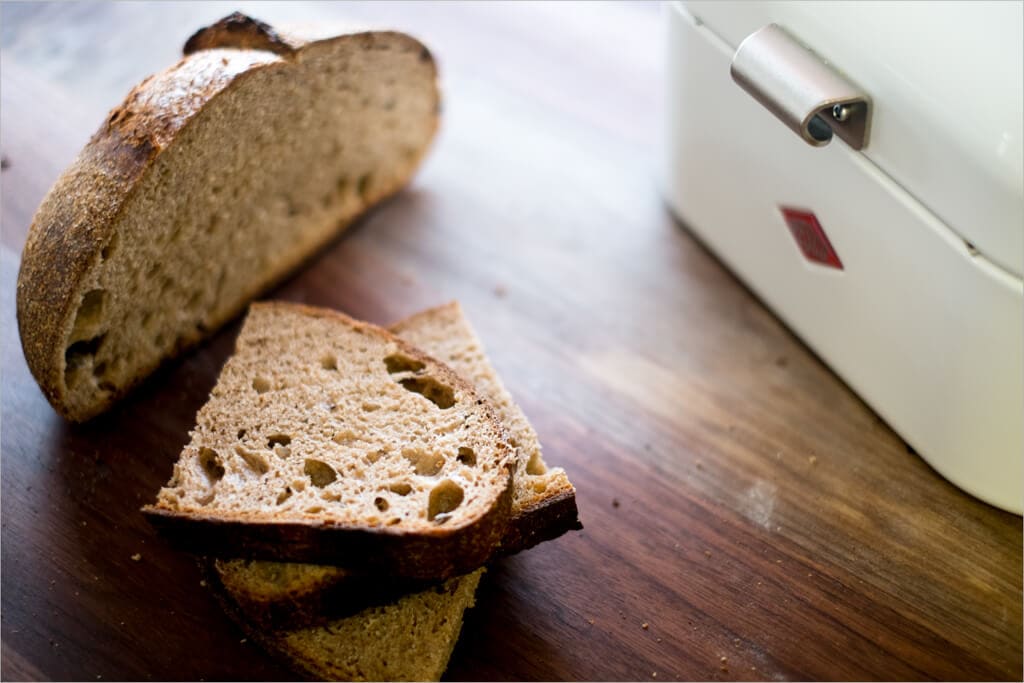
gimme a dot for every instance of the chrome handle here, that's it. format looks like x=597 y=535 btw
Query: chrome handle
x=801 y=89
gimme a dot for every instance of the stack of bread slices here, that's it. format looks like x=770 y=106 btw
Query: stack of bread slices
x=344 y=484
x=385 y=468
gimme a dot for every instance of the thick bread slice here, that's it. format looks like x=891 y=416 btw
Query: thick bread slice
x=409 y=640
x=330 y=440
x=543 y=502
x=212 y=181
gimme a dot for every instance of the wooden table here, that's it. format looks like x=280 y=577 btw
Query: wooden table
x=738 y=499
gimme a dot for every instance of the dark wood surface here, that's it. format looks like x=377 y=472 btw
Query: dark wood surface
x=739 y=500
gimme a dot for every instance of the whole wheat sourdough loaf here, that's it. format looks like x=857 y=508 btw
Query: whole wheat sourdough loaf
x=209 y=183
x=543 y=502
x=330 y=440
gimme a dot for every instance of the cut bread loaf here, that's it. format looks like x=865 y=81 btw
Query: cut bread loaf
x=410 y=639
x=212 y=181
x=543 y=501
x=330 y=440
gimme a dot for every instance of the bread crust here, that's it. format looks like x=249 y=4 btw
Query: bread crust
x=342 y=595
x=429 y=555
x=77 y=217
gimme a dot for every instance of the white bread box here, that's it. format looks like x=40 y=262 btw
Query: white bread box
x=859 y=166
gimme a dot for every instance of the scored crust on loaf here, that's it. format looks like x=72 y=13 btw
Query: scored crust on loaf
x=411 y=639
x=543 y=502
x=211 y=182
x=326 y=439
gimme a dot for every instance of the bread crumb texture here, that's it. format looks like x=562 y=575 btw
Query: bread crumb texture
x=319 y=419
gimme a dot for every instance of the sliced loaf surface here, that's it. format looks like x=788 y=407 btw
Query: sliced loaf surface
x=410 y=639
x=330 y=440
x=212 y=181
x=543 y=502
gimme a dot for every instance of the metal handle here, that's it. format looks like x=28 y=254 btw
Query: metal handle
x=801 y=89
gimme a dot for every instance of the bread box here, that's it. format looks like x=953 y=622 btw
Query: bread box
x=859 y=167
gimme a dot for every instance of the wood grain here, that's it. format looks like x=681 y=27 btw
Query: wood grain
x=738 y=498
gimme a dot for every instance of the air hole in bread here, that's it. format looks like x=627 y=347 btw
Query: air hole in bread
x=78 y=359
x=329 y=363
x=343 y=185
x=425 y=464
x=261 y=385
x=401 y=489
x=374 y=456
x=364 y=184
x=210 y=462
x=90 y=314
x=195 y=300
x=441 y=395
x=110 y=247
x=444 y=498
x=315 y=509
x=284 y=495
x=467 y=456
x=256 y=462
x=370 y=407
x=398 y=362
x=320 y=473
x=241 y=434
x=282 y=452
x=535 y=465
x=278 y=440
x=381 y=504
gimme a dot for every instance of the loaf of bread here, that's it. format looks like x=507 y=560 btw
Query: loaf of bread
x=277 y=594
x=212 y=181
x=329 y=440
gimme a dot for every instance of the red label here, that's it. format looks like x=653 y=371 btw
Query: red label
x=810 y=237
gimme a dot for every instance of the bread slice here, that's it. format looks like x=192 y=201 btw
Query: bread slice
x=212 y=181
x=543 y=502
x=330 y=440
x=409 y=640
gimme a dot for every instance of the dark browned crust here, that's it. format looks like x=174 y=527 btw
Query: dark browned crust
x=427 y=556
x=241 y=32
x=348 y=594
x=544 y=521
x=77 y=217
x=333 y=600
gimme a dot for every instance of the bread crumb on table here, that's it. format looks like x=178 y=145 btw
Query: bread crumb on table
x=813 y=460
x=707 y=553
x=645 y=626
x=500 y=291
x=137 y=557
x=615 y=502
x=202 y=583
